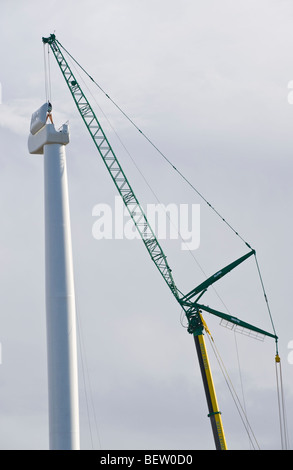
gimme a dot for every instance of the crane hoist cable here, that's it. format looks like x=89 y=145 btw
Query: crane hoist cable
x=148 y=185
x=234 y=395
x=187 y=302
x=47 y=70
x=281 y=405
x=240 y=408
x=240 y=374
x=155 y=146
x=46 y=73
x=183 y=177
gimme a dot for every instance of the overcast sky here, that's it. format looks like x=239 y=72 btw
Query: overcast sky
x=207 y=81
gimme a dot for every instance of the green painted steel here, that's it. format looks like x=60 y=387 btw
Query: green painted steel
x=215 y=277
x=236 y=321
x=190 y=307
x=118 y=176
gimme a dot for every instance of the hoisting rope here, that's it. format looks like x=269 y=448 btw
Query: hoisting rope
x=183 y=177
x=48 y=91
x=240 y=374
x=167 y=160
x=155 y=147
x=281 y=405
x=279 y=378
x=159 y=151
x=234 y=395
x=46 y=74
x=266 y=300
x=47 y=71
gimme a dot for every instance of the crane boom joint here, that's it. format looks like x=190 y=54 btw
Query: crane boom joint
x=195 y=325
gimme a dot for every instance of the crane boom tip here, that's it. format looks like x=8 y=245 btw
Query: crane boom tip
x=49 y=40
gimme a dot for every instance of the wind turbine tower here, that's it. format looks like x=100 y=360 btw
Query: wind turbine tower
x=60 y=295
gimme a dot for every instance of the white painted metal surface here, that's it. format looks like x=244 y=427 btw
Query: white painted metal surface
x=47 y=134
x=38 y=119
x=60 y=295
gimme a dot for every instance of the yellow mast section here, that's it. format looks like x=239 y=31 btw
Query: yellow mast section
x=215 y=414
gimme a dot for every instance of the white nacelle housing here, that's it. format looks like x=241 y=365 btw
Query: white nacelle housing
x=38 y=119
x=47 y=135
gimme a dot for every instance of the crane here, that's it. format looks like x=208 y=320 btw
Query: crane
x=188 y=302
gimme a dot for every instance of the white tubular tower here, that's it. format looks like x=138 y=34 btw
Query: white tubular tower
x=60 y=295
